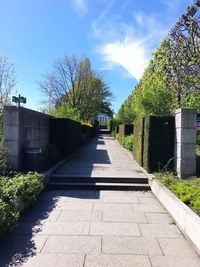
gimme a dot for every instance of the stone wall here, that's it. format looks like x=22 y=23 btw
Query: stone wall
x=24 y=130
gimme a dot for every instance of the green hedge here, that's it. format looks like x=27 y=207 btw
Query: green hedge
x=65 y=136
x=138 y=140
x=16 y=193
x=158 y=149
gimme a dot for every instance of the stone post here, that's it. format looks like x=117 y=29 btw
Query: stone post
x=185 y=142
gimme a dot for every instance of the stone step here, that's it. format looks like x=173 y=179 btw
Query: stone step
x=75 y=179
x=99 y=186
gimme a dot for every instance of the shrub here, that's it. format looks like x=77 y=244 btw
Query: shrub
x=8 y=218
x=128 y=142
x=25 y=186
x=187 y=190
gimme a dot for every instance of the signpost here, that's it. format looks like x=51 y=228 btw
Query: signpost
x=19 y=99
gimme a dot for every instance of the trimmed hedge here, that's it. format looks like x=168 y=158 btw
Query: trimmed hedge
x=158 y=149
x=138 y=140
x=65 y=135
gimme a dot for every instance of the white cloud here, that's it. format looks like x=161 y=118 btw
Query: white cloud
x=80 y=7
x=129 y=54
x=129 y=46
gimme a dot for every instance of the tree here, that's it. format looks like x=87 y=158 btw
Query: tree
x=172 y=79
x=126 y=113
x=7 y=80
x=75 y=83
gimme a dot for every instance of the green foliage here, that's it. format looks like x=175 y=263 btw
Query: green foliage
x=65 y=111
x=75 y=90
x=128 y=142
x=17 y=190
x=26 y=186
x=187 y=190
x=172 y=78
x=8 y=218
x=126 y=113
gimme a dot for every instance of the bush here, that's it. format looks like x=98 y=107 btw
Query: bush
x=8 y=218
x=128 y=142
x=187 y=190
x=27 y=187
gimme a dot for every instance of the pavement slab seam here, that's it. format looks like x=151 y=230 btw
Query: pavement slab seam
x=160 y=246
x=84 y=260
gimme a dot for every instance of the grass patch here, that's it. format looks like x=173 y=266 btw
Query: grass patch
x=186 y=190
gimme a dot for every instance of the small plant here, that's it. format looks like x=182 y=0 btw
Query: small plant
x=128 y=142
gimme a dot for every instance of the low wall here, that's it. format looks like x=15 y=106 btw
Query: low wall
x=34 y=141
x=25 y=130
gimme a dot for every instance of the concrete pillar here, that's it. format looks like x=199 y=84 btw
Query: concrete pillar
x=185 y=142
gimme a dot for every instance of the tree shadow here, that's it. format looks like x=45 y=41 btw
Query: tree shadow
x=26 y=241
x=23 y=241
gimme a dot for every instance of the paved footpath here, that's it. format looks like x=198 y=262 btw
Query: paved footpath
x=97 y=228
x=102 y=157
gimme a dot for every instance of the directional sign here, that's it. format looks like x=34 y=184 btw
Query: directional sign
x=19 y=99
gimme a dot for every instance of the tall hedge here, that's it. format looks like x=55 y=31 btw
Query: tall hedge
x=138 y=139
x=158 y=150
x=65 y=135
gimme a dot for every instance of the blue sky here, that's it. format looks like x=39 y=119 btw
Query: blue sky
x=118 y=36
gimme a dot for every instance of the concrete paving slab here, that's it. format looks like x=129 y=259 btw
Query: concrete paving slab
x=147 y=200
x=52 y=260
x=111 y=228
x=120 y=199
x=162 y=218
x=112 y=207
x=22 y=244
x=80 y=216
x=102 y=260
x=160 y=230
x=72 y=244
x=65 y=228
x=124 y=216
x=169 y=261
x=75 y=206
x=130 y=245
x=151 y=207
x=176 y=247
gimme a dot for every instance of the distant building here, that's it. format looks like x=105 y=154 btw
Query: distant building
x=103 y=118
